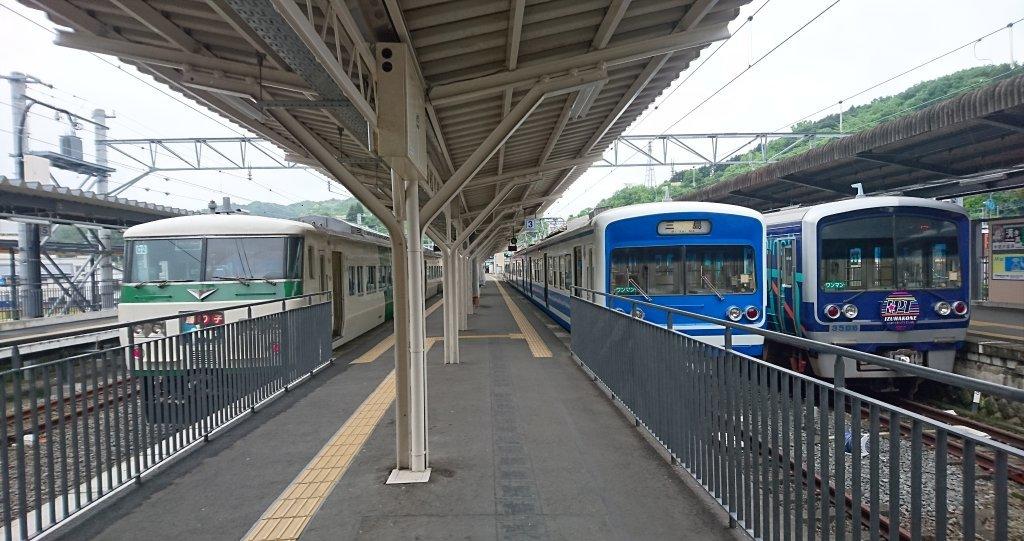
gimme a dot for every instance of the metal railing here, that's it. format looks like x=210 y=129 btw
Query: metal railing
x=82 y=427
x=21 y=300
x=792 y=457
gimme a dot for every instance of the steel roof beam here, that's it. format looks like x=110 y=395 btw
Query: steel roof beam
x=302 y=27
x=489 y=146
x=610 y=23
x=908 y=163
x=630 y=52
x=155 y=21
x=181 y=60
x=66 y=14
x=530 y=171
x=809 y=183
x=556 y=132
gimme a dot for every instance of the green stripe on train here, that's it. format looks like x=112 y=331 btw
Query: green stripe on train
x=221 y=292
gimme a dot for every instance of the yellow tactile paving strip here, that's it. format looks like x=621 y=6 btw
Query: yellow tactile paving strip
x=288 y=516
x=389 y=342
x=537 y=346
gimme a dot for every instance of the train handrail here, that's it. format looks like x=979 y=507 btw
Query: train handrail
x=842 y=353
x=11 y=342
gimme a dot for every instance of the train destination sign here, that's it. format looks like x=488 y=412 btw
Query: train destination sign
x=684 y=227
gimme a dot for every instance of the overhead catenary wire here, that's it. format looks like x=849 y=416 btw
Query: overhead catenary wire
x=1008 y=26
x=749 y=67
x=177 y=99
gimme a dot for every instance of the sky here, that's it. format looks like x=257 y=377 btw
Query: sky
x=852 y=46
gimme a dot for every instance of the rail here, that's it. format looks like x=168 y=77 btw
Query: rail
x=84 y=427
x=789 y=456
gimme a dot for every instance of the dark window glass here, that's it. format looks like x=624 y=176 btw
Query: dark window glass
x=678 y=270
x=725 y=269
x=245 y=257
x=926 y=253
x=165 y=259
x=858 y=254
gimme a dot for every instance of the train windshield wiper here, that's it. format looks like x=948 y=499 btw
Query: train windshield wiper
x=159 y=283
x=244 y=280
x=640 y=289
x=707 y=281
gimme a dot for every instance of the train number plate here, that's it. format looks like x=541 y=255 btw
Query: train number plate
x=906 y=356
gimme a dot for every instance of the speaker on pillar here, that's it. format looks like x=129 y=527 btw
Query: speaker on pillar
x=401 y=115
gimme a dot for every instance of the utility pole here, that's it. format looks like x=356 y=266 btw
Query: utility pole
x=99 y=117
x=27 y=271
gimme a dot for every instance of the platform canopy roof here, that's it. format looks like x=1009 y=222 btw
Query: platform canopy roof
x=51 y=203
x=521 y=95
x=972 y=143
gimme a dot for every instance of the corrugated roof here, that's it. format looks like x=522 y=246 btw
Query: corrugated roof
x=33 y=199
x=971 y=143
x=478 y=60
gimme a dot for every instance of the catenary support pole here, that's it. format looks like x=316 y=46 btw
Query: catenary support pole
x=99 y=116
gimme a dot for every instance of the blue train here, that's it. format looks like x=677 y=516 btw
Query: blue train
x=885 y=275
x=705 y=258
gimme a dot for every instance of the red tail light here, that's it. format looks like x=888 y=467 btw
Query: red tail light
x=753 y=313
x=832 y=311
x=137 y=352
x=275 y=347
x=960 y=308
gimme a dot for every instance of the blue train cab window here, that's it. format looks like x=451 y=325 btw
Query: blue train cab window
x=722 y=269
x=678 y=270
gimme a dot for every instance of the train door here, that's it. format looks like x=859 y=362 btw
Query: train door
x=546 y=280
x=529 y=276
x=338 y=295
x=577 y=268
x=783 y=281
x=590 y=271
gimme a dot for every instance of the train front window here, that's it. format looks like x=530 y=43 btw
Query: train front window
x=683 y=270
x=173 y=260
x=926 y=253
x=250 y=257
x=901 y=251
x=721 y=269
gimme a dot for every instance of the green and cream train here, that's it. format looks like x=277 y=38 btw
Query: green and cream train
x=209 y=262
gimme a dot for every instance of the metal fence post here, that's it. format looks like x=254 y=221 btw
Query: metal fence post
x=728 y=338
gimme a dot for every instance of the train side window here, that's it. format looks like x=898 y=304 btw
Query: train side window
x=359 y=279
x=351 y=280
x=309 y=257
x=371 y=279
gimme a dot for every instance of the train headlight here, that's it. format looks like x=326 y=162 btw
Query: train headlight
x=752 y=313
x=960 y=308
x=832 y=311
x=943 y=308
x=138 y=330
x=734 y=313
x=850 y=310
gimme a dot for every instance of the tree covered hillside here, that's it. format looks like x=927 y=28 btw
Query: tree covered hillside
x=855 y=119
x=348 y=209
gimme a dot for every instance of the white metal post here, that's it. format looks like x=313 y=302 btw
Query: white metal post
x=417 y=332
x=99 y=116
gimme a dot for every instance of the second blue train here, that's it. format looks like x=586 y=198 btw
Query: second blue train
x=705 y=258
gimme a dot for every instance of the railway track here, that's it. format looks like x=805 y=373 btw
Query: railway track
x=35 y=421
x=985 y=461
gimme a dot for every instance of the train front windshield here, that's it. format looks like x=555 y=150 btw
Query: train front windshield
x=896 y=251
x=683 y=270
x=216 y=258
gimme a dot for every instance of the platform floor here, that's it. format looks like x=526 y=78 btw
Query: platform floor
x=523 y=446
